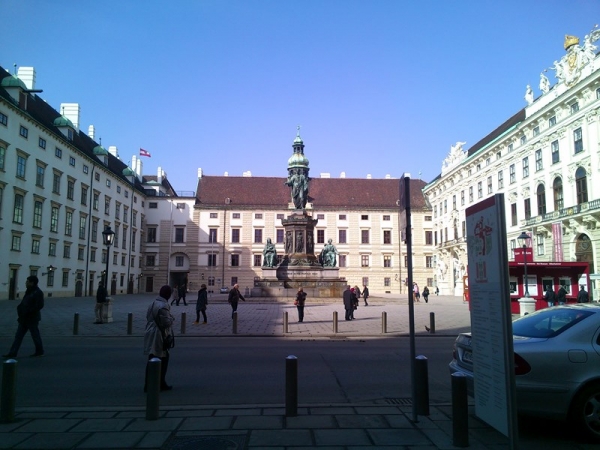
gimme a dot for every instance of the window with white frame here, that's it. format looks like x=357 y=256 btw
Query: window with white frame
x=342 y=261
x=364 y=260
x=538 y=160
x=489 y=185
x=555 y=152
x=526 y=167
x=578 y=140
x=387 y=260
x=540 y=244
x=500 y=179
x=512 y=173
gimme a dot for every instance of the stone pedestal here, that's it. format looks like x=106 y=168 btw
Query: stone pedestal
x=526 y=305
x=107 y=311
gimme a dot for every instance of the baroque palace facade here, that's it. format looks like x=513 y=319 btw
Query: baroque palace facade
x=545 y=160
x=60 y=189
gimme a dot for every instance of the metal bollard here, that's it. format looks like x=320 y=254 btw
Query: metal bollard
x=460 y=410
x=234 y=324
x=76 y=323
x=183 y=320
x=285 y=322
x=153 y=389
x=9 y=391
x=383 y=322
x=129 y=323
x=291 y=386
x=422 y=385
x=335 y=322
x=432 y=322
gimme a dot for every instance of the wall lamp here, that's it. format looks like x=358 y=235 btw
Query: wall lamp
x=50 y=269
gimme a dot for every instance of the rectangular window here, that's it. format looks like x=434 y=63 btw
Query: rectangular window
x=258 y=235
x=258 y=216
x=342 y=261
x=52 y=249
x=106 y=204
x=50 y=279
x=280 y=235
x=94 y=230
x=214 y=215
x=500 y=179
x=364 y=217
x=212 y=235
x=341 y=236
x=454 y=202
x=84 y=191
x=342 y=217
x=527 y=208
x=489 y=185
x=235 y=260
x=212 y=260
x=462 y=198
x=35 y=246
x=54 y=219
x=24 y=132
x=96 y=201
x=152 y=205
x=526 y=167
x=574 y=107
x=387 y=260
x=523 y=140
x=80 y=253
x=67 y=251
x=578 y=140
x=69 y=223
x=320 y=236
x=321 y=216
x=257 y=260
x=512 y=173
x=386 y=217
x=71 y=189
x=280 y=216
x=235 y=235
x=21 y=165
x=37 y=214
x=2 y=157
x=364 y=260
x=117 y=210
x=16 y=243
x=18 y=208
x=56 y=183
x=479 y=189
x=39 y=176
x=536 y=131
x=82 y=226
x=108 y=185
x=178 y=261
x=150 y=260
x=538 y=160
x=555 y=152
x=86 y=169
x=93 y=255
x=429 y=262
x=65 y=279
x=471 y=194
x=125 y=214
x=235 y=215
x=540 y=244
x=428 y=237
x=513 y=214
x=387 y=282
x=387 y=236
x=551 y=121
x=364 y=236
x=3 y=119
x=71 y=161
x=58 y=153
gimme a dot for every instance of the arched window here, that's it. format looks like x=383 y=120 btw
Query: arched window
x=581 y=184
x=557 y=187
x=541 y=199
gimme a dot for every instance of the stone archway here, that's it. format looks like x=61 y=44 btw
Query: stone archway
x=584 y=250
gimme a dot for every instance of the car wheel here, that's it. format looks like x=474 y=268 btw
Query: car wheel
x=585 y=412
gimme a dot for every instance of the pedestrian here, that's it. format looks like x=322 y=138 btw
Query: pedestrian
x=101 y=295
x=426 y=294
x=561 y=295
x=365 y=294
x=158 y=338
x=299 y=302
x=354 y=302
x=357 y=292
x=175 y=299
x=29 y=317
x=348 y=306
x=234 y=297
x=416 y=295
x=437 y=290
x=583 y=296
x=201 y=304
x=181 y=292
x=550 y=296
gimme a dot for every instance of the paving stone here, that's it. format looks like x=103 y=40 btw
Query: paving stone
x=267 y=438
x=341 y=437
x=9 y=440
x=112 y=440
x=311 y=422
x=363 y=421
x=90 y=415
x=154 y=439
x=332 y=410
x=258 y=422
x=94 y=425
x=398 y=437
x=238 y=412
x=206 y=423
x=52 y=441
x=163 y=424
x=49 y=425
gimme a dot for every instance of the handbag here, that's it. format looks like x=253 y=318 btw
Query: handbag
x=296 y=302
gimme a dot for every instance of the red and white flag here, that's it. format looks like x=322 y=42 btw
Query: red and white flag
x=144 y=153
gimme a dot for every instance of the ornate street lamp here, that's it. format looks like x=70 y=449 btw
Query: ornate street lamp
x=523 y=238
x=108 y=236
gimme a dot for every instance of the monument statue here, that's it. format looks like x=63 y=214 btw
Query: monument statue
x=328 y=255
x=269 y=254
x=298 y=170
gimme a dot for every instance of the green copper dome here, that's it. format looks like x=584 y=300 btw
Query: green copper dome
x=298 y=160
x=62 y=121
x=128 y=172
x=100 y=151
x=13 y=81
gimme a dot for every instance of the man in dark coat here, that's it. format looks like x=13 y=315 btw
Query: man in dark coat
x=583 y=296
x=181 y=291
x=29 y=318
x=101 y=295
x=348 y=303
x=561 y=295
x=234 y=297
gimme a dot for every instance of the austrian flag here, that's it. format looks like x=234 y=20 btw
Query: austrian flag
x=144 y=153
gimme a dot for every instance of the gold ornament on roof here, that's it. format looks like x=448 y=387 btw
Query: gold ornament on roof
x=570 y=41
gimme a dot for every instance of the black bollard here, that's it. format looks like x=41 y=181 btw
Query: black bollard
x=234 y=324
x=291 y=386
x=335 y=322
x=460 y=410
x=422 y=385
x=153 y=389
x=285 y=322
x=183 y=319
x=383 y=322
x=432 y=322
x=9 y=391
x=76 y=324
x=129 y=323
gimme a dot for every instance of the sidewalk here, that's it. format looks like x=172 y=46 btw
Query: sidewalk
x=325 y=426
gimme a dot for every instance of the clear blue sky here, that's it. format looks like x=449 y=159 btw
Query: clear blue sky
x=379 y=87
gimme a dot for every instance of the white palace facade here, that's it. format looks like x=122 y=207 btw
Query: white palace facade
x=545 y=160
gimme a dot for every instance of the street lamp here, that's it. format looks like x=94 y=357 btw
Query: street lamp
x=50 y=269
x=523 y=238
x=108 y=236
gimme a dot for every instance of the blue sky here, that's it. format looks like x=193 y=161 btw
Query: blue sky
x=378 y=87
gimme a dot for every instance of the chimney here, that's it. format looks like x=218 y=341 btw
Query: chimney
x=247 y=173
x=92 y=132
x=199 y=172
x=343 y=175
x=71 y=111
x=388 y=176
x=325 y=175
x=113 y=150
x=27 y=76
x=369 y=176
x=226 y=174
x=134 y=159
x=159 y=175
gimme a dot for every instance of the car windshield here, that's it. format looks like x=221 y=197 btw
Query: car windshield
x=549 y=322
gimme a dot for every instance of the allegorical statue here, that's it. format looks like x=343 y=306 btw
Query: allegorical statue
x=298 y=178
x=328 y=255
x=269 y=254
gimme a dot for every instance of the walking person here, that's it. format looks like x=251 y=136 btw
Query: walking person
x=181 y=291
x=416 y=295
x=299 y=302
x=201 y=304
x=365 y=294
x=561 y=295
x=175 y=298
x=354 y=302
x=29 y=317
x=583 y=296
x=437 y=290
x=234 y=297
x=550 y=296
x=158 y=338
x=101 y=296
x=426 y=294
x=348 y=305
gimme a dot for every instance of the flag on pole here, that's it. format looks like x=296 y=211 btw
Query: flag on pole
x=144 y=153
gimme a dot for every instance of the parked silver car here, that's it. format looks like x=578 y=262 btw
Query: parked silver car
x=557 y=364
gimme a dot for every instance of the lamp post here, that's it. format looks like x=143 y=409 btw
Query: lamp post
x=108 y=236
x=523 y=238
